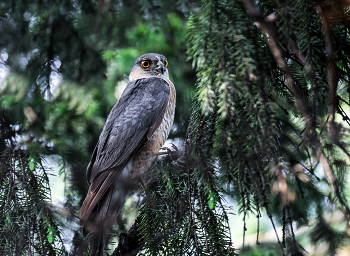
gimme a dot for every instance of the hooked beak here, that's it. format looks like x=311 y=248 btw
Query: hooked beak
x=160 y=67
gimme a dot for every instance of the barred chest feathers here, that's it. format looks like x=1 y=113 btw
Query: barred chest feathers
x=144 y=159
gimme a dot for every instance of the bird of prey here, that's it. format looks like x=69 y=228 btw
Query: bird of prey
x=136 y=128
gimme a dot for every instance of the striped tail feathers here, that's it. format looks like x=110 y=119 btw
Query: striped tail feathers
x=104 y=201
x=102 y=225
x=97 y=190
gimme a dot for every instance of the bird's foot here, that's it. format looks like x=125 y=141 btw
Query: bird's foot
x=171 y=155
x=168 y=150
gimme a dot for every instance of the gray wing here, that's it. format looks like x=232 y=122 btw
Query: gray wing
x=139 y=110
x=139 y=107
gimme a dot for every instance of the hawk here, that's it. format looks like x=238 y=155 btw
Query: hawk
x=135 y=129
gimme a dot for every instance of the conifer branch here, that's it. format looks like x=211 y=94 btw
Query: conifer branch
x=332 y=78
x=252 y=179
x=267 y=32
x=129 y=243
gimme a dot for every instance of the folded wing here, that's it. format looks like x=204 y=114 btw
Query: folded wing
x=131 y=122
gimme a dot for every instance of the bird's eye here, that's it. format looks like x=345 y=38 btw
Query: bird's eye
x=145 y=64
x=165 y=63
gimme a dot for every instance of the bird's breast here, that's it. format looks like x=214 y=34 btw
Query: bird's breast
x=144 y=159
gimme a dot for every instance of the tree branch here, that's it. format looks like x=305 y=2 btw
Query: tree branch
x=129 y=244
x=302 y=106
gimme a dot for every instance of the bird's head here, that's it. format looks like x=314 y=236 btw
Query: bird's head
x=149 y=65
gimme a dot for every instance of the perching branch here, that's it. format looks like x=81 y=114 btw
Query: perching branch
x=130 y=243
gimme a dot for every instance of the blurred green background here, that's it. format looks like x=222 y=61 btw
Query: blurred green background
x=64 y=64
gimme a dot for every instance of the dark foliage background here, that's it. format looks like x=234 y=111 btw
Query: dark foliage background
x=267 y=126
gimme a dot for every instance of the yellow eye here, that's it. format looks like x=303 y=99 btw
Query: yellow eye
x=145 y=64
x=165 y=63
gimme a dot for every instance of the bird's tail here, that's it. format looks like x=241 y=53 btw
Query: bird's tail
x=102 y=224
x=94 y=244
x=102 y=219
x=97 y=242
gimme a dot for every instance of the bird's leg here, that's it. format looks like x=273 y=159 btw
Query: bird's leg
x=168 y=150
x=142 y=182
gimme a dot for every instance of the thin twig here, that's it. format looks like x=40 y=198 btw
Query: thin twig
x=24 y=185
x=252 y=179
x=304 y=109
x=188 y=190
x=291 y=226
x=204 y=221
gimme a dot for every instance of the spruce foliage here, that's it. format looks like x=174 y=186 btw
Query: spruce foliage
x=28 y=224
x=271 y=100
x=268 y=124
